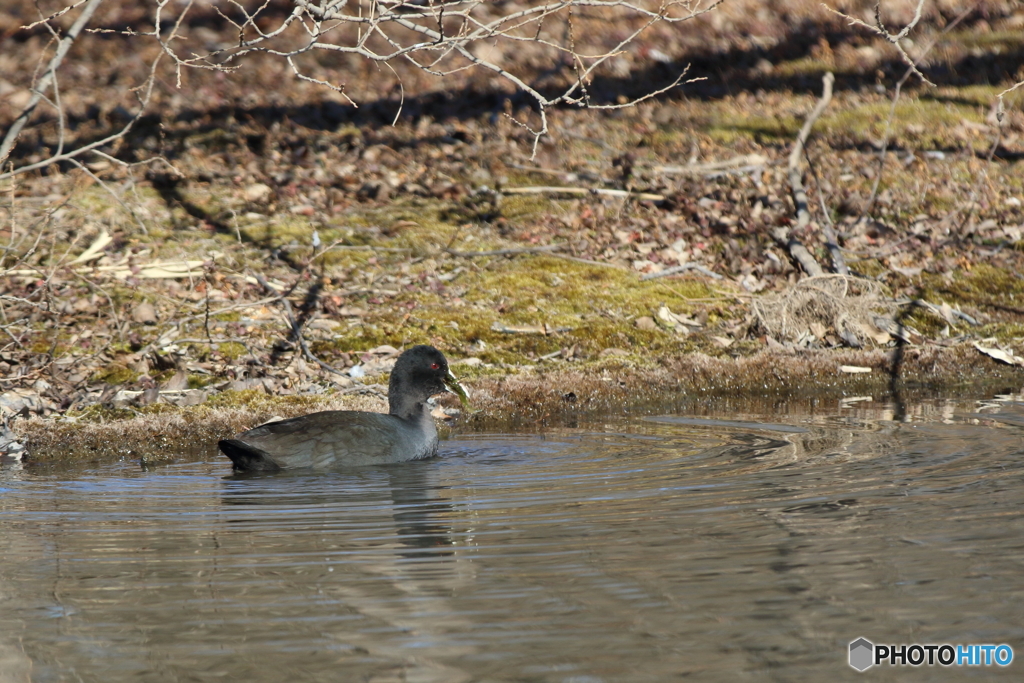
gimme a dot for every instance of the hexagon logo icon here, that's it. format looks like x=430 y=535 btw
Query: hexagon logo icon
x=862 y=653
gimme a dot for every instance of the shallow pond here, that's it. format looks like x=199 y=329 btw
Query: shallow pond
x=727 y=546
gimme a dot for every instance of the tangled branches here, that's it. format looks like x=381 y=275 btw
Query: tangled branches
x=437 y=37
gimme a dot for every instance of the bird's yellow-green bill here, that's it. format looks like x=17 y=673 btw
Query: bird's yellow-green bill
x=456 y=388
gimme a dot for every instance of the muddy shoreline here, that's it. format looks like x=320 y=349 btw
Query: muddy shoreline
x=553 y=396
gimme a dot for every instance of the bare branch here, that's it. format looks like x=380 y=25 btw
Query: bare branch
x=48 y=76
x=912 y=69
x=893 y=38
x=584 y=191
x=781 y=235
x=439 y=38
x=110 y=191
x=56 y=15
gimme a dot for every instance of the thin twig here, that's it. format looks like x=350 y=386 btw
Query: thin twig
x=228 y=309
x=589 y=262
x=111 y=192
x=870 y=203
x=110 y=300
x=584 y=191
x=218 y=340
x=675 y=270
x=359 y=247
x=55 y=15
x=831 y=239
x=894 y=38
x=972 y=203
x=296 y=329
x=44 y=83
x=504 y=252
x=233 y=340
x=550 y=250
x=20 y=300
x=568 y=175
x=937 y=310
x=740 y=164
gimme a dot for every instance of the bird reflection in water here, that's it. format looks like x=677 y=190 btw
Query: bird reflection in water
x=420 y=511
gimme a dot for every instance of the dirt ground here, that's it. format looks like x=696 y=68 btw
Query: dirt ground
x=271 y=247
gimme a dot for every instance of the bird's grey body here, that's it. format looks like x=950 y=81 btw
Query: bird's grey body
x=312 y=441
x=341 y=438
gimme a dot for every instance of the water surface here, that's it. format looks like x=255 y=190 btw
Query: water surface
x=737 y=546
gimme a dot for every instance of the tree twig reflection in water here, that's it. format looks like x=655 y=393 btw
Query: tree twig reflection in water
x=895 y=384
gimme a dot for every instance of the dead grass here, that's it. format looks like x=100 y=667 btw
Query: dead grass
x=829 y=304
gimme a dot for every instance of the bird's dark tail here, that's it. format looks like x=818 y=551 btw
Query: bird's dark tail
x=247 y=458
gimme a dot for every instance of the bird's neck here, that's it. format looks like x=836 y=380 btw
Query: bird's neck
x=411 y=410
x=418 y=416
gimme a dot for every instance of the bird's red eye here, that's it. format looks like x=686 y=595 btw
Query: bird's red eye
x=435 y=366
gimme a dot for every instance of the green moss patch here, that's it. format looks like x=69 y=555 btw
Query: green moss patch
x=116 y=374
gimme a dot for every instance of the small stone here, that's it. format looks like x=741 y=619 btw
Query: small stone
x=10 y=448
x=192 y=397
x=375 y=367
x=376 y=190
x=256 y=192
x=16 y=400
x=149 y=396
x=399 y=226
x=178 y=382
x=324 y=324
x=245 y=384
x=144 y=314
x=645 y=323
x=124 y=398
x=667 y=318
x=84 y=306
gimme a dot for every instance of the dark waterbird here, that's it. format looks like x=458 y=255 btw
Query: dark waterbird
x=336 y=438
